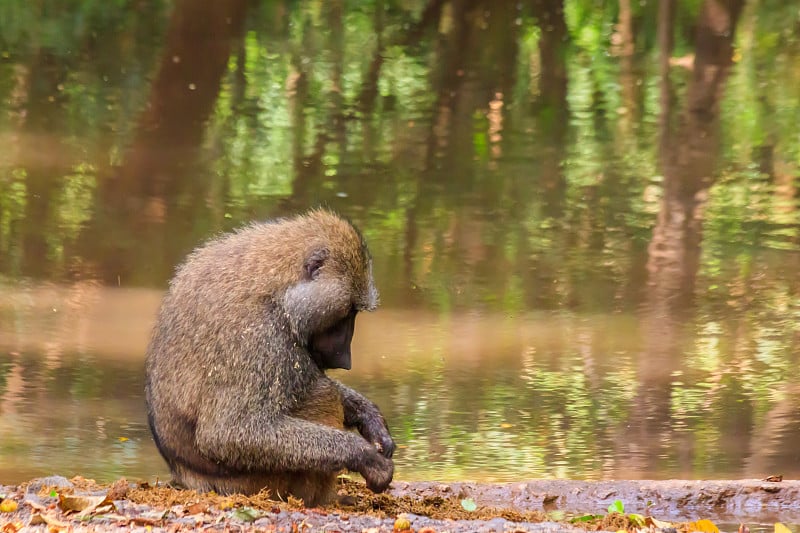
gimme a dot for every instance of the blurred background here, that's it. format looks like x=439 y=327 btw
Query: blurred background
x=584 y=218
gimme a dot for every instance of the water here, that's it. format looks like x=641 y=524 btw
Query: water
x=587 y=260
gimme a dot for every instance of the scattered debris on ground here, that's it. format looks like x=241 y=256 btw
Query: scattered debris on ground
x=58 y=504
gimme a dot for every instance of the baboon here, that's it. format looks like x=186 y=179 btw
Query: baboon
x=236 y=391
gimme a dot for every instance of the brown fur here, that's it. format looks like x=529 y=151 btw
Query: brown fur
x=236 y=401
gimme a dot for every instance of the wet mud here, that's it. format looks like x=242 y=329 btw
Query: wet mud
x=749 y=500
x=56 y=503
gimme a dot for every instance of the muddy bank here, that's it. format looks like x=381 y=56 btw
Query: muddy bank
x=749 y=500
x=56 y=503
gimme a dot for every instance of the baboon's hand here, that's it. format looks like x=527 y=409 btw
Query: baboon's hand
x=376 y=432
x=377 y=470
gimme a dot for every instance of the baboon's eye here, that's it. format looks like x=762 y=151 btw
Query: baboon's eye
x=314 y=262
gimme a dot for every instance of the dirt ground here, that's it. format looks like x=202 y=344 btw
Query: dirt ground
x=58 y=504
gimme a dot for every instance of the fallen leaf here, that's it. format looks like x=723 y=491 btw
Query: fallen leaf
x=12 y=527
x=8 y=506
x=152 y=517
x=660 y=524
x=196 y=508
x=47 y=519
x=245 y=514
x=226 y=504
x=743 y=529
x=774 y=479
x=586 y=518
x=124 y=520
x=402 y=523
x=85 y=505
x=636 y=519
x=780 y=528
x=469 y=504
x=617 y=507
x=506 y=425
x=705 y=526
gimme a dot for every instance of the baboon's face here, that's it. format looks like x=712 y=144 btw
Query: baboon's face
x=331 y=348
x=334 y=283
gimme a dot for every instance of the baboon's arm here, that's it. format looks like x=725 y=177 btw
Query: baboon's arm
x=363 y=415
x=248 y=441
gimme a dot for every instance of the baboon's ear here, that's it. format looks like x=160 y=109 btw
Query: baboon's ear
x=314 y=262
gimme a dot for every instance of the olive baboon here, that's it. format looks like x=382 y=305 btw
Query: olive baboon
x=236 y=391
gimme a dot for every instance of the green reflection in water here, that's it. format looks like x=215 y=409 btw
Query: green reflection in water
x=602 y=264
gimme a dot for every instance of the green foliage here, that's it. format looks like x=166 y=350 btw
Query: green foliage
x=635 y=520
x=617 y=507
x=246 y=514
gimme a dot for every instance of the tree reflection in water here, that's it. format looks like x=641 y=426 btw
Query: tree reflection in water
x=584 y=219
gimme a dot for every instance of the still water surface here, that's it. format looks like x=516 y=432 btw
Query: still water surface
x=587 y=240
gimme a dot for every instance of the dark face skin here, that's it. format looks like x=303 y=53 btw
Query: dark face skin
x=331 y=348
